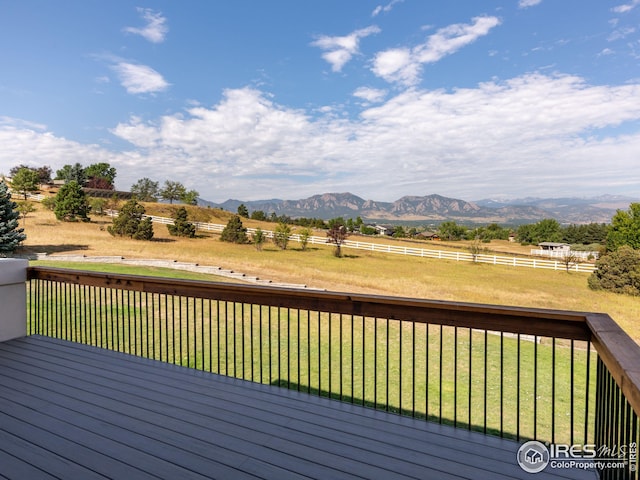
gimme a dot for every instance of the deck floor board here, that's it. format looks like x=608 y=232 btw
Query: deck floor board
x=73 y=411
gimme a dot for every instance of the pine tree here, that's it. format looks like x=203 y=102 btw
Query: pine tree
x=234 y=231
x=10 y=235
x=181 y=226
x=129 y=222
x=71 y=203
x=145 y=230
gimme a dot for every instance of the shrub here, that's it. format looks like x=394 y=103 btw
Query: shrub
x=618 y=272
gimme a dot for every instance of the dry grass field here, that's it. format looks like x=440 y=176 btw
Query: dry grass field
x=357 y=271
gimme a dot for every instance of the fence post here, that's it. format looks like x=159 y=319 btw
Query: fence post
x=13 y=298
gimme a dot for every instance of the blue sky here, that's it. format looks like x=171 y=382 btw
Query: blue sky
x=286 y=99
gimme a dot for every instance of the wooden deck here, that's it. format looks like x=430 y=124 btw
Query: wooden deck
x=71 y=411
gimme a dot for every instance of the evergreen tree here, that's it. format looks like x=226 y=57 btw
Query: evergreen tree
x=181 y=226
x=10 y=235
x=234 y=231
x=70 y=173
x=618 y=271
x=129 y=222
x=243 y=211
x=71 y=203
x=145 y=230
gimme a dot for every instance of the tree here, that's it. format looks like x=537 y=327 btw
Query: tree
x=71 y=203
x=304 y=234
x=25 y=208
x=190 y=197
x=258 y=238
x=146 y=190
x=625 y=229
x=130 y=222
x=618 y=272
x=10 y=235
x=99 y=183
x=70 y=173
x=145 y=230
x=25 y=181
x=546 y=230
x=475 y=248
x=98 y=205
x=258 y=215
x=49 y=203
x=569 y=258
x=181 y=226
x=234 y=232
x=101 y=174
x=281 y=235
x=398 y=232
x=337 y=235
x=44 y=172
x=525 y=233
x=172 y=191
x=450 y=230
x=243 y=211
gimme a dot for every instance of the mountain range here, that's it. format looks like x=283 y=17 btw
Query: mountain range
x=436 y=208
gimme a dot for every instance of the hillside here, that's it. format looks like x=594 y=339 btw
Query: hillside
x=359 y=271
x=437 y=208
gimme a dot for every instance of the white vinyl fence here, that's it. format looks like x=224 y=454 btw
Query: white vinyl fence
x=401 y=250
x=578 y=254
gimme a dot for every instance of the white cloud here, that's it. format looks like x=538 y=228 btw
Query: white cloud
x=403 y=65
x=371 y=95
x=138 y=78
x=621 y=33
x=339 y=50
x=533 y=134
x=17 y=122
x=385 y=8
x=528 y=3
x=626 y=7
x=24 y=145
x=156 y=28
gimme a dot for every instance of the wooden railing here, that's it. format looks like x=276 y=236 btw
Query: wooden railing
x=555 y=376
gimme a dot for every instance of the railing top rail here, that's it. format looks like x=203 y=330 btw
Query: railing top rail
x=617 y=350
x=533 y=321
x=619 y=353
